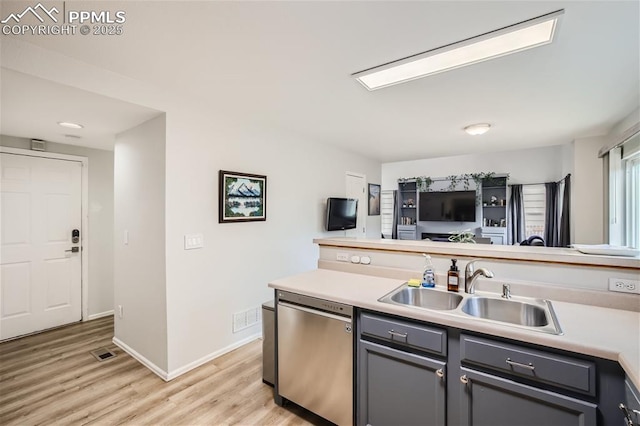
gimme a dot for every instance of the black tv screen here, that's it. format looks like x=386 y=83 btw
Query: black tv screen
x=341 y=213
x=452 y=206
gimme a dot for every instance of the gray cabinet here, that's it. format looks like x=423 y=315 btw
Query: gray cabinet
x=400 y=388
x=497 y=235
x=557 y=370
x=407 y=232
x=494 y=209
x=507 y=384
x=399 y=382
x=631 y=408
x=407 y=210
x=410 y=372
x=495 y=401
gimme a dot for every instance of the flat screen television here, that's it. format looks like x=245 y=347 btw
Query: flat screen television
x=451 y=206
x=341 y=213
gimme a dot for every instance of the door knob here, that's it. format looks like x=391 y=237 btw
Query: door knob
x=73 y=250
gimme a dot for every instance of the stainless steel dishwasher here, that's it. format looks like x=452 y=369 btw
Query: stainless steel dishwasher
x=315 y=355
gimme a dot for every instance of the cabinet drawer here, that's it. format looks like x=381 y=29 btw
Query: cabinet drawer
x=406 y=235
x=405 y=333
x=562 y=371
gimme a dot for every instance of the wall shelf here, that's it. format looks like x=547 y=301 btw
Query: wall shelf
x=497 y=213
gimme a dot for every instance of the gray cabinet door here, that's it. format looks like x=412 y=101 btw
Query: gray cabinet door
x=632 y=402
x=488 y=400
x=399 y=388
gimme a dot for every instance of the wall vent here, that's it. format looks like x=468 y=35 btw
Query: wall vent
x=246 y=319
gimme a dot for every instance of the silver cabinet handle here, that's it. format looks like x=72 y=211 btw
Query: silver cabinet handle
x=464 y=379
x=627 y=415
x=397 y=334
x=519 y=364
x=440 y=373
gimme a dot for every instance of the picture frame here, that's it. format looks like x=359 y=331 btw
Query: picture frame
x=242 y=197
x=374 y=199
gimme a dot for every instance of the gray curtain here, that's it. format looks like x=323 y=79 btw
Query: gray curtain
x=551 y=225
x=515 y=229
x=564 y=235
x=394 y=227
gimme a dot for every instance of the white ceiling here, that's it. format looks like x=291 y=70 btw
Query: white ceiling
x=32 y=108
x=288 y=65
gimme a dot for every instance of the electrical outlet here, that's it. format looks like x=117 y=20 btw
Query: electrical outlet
x=342 y=256
x=120 y=311
x=624 y=285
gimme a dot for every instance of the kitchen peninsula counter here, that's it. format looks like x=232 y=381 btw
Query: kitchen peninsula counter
x=552 y=255
x=589 y=330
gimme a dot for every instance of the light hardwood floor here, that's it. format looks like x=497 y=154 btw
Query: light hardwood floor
x=51 y=378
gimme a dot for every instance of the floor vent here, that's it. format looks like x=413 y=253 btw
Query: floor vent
x=103 y=354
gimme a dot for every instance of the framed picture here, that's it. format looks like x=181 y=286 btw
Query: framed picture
x=374 y=199
x=242 y=197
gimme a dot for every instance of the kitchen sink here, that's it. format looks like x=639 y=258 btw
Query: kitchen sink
x=535 y=314
x=521 y=312
x=423 y=298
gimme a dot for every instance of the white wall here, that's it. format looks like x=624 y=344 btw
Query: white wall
x=535 y=165
x=587 y=191
x=100 y=289
x=230 y=274
x=139 y=265
x=204 y=287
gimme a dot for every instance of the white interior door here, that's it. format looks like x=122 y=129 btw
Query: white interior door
x=40 y=279
x=356 y=188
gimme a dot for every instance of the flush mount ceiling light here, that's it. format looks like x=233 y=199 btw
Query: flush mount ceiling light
x=477 y=129
x=514 y=38
x=70 y=125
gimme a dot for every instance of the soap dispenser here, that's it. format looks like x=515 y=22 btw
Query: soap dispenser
x=453 y=276
x=428 y=276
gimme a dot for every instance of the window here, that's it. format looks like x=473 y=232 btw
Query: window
x=632 y=200
x=533 y=199
x=624 y=193
x=386 y=213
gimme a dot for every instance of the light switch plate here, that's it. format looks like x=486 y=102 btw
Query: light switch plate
x=193 y=241
x=343 y=257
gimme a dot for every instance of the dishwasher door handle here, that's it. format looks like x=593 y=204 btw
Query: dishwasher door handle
x=315 y=312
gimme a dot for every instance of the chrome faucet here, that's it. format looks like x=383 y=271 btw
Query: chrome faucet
x=470 y=275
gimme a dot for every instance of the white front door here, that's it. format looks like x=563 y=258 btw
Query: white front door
x=356 y=189
x=40 y=278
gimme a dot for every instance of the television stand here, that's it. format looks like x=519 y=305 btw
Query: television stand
x=436 y=236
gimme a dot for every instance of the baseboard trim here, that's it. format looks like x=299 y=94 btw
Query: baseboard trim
x=99 y=315
x=141 y=359
x=197 y=363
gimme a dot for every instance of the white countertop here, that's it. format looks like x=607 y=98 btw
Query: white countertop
x=488 y=251
x=601 y=332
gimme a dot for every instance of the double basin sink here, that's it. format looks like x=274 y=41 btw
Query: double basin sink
x=527 y=313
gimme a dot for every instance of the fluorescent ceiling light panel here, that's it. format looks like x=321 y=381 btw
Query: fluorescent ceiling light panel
x=515 y=38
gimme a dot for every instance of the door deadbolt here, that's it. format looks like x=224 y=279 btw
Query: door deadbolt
x=75 y=236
